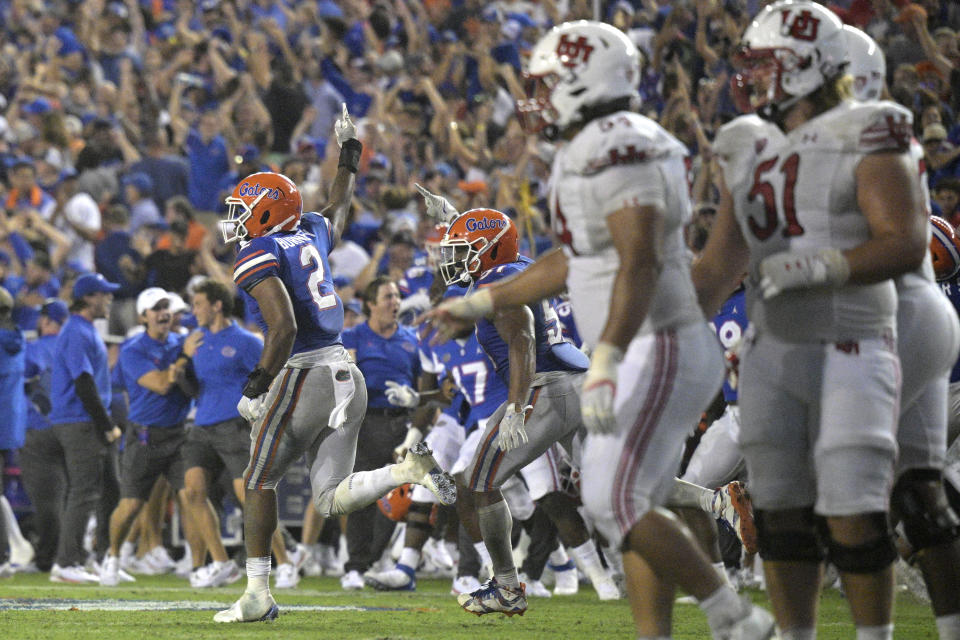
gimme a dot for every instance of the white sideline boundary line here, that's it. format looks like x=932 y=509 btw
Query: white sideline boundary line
x=62 y=604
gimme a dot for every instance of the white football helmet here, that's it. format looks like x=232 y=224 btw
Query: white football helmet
x=789 y=50
x=575 y=65
x=867 y=64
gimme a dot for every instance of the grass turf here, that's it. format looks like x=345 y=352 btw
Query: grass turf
x=32 y=607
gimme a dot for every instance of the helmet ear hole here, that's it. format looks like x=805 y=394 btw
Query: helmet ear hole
x=264 y=217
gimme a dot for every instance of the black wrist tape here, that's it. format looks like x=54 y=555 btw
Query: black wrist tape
x=350 y=155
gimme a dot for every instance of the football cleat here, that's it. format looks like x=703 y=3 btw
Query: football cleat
x=215 y=574
x=732 y=505
x=250 y=608
x=535 y=588
x=757 y=625
x=606 y=588
x=464 y=584
x=419 y=466
x=494 y=597
x=72 y=575
x=400 y=578
x=351 y=581
x=287 y=576
x=565 y=579
x=110 y=571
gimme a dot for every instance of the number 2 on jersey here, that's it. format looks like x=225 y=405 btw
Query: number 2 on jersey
x=310 y=258
x=764 y=189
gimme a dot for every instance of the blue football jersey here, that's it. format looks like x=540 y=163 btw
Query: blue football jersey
x=952 y=290
x=730 y=324
x=299 y=259
x=567 y=322
x=554 y=353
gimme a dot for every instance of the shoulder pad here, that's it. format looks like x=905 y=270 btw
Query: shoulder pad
x=620 y=138
x=881 y=126
x=743 y=135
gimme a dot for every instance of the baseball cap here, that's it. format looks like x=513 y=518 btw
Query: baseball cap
x=149 y=298
x=90 y=283
x=354 y=305
x=39 y=106
x=141 y=181
x=934 y=132
x=55 y=309
x=176 y=303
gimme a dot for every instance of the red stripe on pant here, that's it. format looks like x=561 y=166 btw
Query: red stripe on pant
x=639 y=436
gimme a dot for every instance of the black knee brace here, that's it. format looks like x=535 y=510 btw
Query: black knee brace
x=925 y=525
x=788 y=544
x=870 y=557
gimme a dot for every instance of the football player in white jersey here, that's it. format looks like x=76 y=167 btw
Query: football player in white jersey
x=619 y=201
x=820 y=205
x=928 y=338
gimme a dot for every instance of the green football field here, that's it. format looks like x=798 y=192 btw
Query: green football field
x=166 y=607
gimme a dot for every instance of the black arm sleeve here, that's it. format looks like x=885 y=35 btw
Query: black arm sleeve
x=90 y=398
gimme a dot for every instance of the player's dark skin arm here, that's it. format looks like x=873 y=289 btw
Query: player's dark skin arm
x=277 y=310
x=341 y=194
x=545 y=278
x=515 y=326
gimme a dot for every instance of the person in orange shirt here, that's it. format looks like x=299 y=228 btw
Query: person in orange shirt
x=179 y=208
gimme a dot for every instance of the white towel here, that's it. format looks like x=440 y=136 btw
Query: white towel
x=343 y=390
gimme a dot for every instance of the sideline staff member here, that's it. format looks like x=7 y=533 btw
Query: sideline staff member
x=79 y=394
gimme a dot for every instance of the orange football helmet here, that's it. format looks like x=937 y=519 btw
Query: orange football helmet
x=261 y=204
x=476 y=241
x=396 y=503
x=943 y=249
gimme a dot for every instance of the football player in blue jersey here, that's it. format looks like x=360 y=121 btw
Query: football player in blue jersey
x=542 y=373
x=305 y=396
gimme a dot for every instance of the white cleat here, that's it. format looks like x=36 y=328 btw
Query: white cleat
x=535 y=588
x=110 y=571
x=72 y=575
x=351 y=581
x=757 y=625
x=420 y=467
x=566 y=582
x=250 y=608
x=215 y=574
x=395 y=579
x=607 y=589
x=464 y=584
x=287 y=576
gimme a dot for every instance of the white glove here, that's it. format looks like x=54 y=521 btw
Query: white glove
x=344 y=127
x=788 y=270
x=401 y=395
x=252 y=409
x=512 y=432
x=414 y=436
x=438 y=207
x=600 y=389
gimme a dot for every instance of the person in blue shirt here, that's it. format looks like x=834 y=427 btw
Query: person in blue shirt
x=41 y=460
x=222 y=354
x=386 y=353
x=79 y=395
x=159 y=402
x=12 y=400
x=304 y=382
